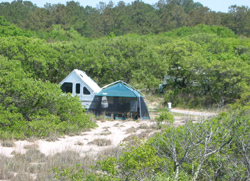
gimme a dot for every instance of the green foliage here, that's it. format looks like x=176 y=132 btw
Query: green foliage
x=204 y=70
x=200 y=149
x=136 y=163
x=75 y=173
x=207 y=64
x=202 y=29
x=205 y=67
x=59 y=34
x=123 y=58
x=120 y=19
x=7 y=29
x=164 y=116
x=35 y=108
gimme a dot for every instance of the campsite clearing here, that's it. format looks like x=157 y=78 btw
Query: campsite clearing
x=116 y=131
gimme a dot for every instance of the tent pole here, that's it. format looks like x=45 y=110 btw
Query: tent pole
x=140 y=107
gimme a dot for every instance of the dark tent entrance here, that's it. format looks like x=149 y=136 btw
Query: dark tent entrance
x=119 y=101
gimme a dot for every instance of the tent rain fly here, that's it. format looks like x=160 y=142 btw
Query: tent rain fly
x=119 y=100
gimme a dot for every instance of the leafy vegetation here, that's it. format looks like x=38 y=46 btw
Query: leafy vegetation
x=208 y=66
x=204 y=55
x=31 y=107
x=121 y=18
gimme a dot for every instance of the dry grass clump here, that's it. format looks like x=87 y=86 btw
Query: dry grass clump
x=33 y=146
x=32 y=139
x=33 y=155
x=101 y=118
x=129 y=138
x=105 y=132
x=143 y=134
x=131 y=130
x=153 y=126
x=22 y=165
x=143 y=126
x=35 y=166
x=18 y=164
x=79 y=143
x=116 y=125
x=53 y=137
x=23 y=177
x=110 y=152
x=8 y=143
x=100 y=142
x=5 y=173
x=66 y=159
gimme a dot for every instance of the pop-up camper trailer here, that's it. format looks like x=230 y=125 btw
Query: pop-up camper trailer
x=80 y=84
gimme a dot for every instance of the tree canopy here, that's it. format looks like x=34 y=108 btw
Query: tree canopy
x=121 y=18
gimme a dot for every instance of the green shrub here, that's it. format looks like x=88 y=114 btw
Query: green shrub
x=34 y=108
x=164 y=117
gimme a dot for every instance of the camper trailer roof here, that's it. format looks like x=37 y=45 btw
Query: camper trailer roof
x=85 y=78
x=91 y=83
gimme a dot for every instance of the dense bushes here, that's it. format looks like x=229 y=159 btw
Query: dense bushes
x=34 y=108
x=8 y=29
x=205 y=66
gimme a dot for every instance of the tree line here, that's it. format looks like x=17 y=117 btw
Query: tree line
x=121 y=18
x=206 y=65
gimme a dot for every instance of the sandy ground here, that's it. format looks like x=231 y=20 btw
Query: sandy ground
x=115 y=131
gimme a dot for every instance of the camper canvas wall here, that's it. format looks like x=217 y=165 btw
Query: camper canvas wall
x=80 y=84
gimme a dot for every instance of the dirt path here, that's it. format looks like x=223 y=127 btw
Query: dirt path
x=194 y=113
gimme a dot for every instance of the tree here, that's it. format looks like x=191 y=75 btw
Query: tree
x=17 y=11
x=238 y=19
x=203 y=15
x=171 y=16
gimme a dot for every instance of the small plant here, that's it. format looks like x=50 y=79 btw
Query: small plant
x=79 y=143
x=52 y=138
x=33 y=155
x=5 y=174
x=129 y=138
x=131 y=130
x=164 y=116
x=100 y=142
x=143 y=134
x=23 y=177
x=143 y=126
x=8 y=143
x=33 y=146
x=106 y=132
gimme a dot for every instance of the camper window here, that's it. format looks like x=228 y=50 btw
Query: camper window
x=86 y=91
x=67 y=87
x=78 y=88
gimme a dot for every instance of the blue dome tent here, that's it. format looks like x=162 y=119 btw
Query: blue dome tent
x=120 y=101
